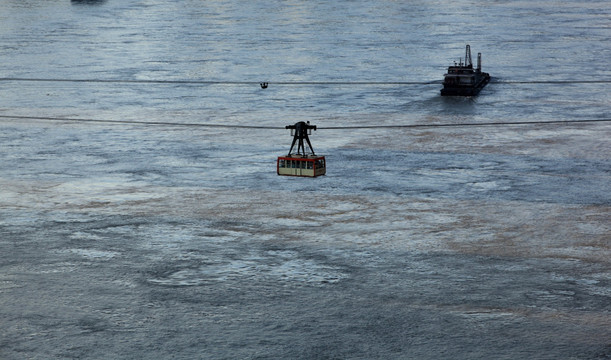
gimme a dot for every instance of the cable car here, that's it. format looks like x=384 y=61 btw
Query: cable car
x=301 y=163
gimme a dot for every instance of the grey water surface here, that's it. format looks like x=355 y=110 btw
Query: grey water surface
x=136 y=239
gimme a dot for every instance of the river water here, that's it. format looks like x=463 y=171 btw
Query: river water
x=131 y=239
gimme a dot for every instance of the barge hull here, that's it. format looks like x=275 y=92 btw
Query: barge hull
x=466 y=90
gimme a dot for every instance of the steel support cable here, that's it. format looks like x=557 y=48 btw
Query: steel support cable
x=396 y=126
x=228 y=82
x=550 y=81
x=128 y=122
x=223 y=82
x=498 y=123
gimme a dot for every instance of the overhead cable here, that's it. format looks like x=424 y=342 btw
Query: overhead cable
x=128 y=122
x=231 y=82
x=496 y=123
x=347 y=127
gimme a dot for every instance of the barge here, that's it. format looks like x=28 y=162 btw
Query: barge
x=462 y=79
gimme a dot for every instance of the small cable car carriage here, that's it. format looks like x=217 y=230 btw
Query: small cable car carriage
x=301 y=163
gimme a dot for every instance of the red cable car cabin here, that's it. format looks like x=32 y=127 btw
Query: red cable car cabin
x=301 y=164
